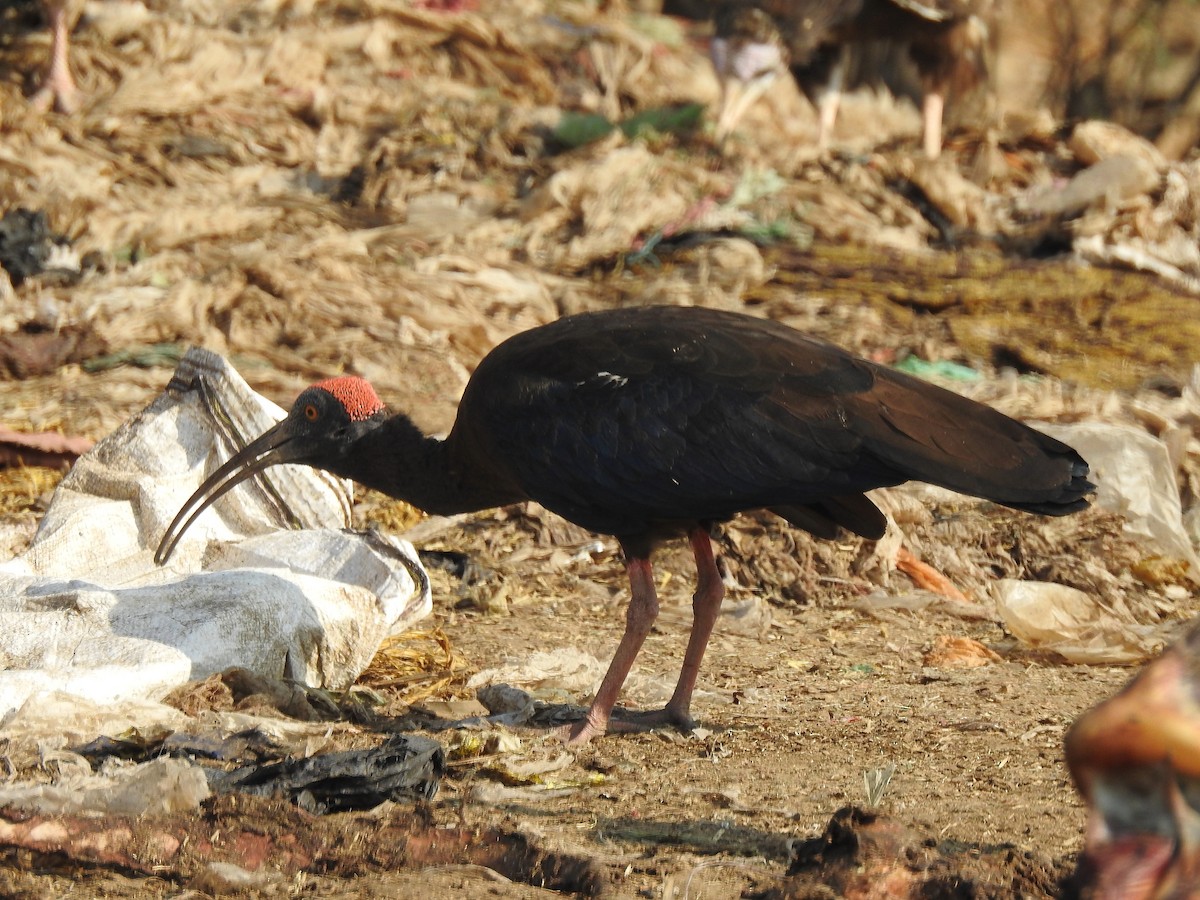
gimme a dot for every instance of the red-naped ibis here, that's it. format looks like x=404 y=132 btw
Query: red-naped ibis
x=754 y=40
x=1136 y=760
x=659 y=422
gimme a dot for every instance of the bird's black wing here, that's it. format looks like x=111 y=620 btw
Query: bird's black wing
x=618 y=421
x=622 y=420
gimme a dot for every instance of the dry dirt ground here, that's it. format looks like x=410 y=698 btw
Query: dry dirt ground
x=376 y=188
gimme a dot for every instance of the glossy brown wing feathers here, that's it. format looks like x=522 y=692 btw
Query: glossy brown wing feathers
x=625 y=419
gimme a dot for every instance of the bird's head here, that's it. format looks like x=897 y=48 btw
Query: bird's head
x=1136 y=760
x=327 y=418
x=319 y=430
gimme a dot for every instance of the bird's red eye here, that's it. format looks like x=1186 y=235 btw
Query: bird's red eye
x=311 y=413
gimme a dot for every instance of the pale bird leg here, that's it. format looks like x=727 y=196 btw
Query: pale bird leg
x=706 y=606
x=737 y=97
x=829 y=99
x=643 y=609
x=934 y=106
x=639 y=619
x=58 y=90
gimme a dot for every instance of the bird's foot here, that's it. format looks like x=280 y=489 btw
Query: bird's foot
x=579 y=733
x=650 y=719
x=62 y=97
x=594 y=724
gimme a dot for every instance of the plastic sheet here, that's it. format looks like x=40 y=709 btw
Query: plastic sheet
x=1135 y=477
x=268 y=578
x=161 y=786
x=1073 y=624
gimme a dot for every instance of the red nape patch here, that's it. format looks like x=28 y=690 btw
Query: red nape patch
x=355 y=394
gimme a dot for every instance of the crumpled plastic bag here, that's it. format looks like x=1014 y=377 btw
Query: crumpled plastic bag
x=556 y=675
x=268 y=578
x=1134 y=477
x=160 y=787
x=1074 y=624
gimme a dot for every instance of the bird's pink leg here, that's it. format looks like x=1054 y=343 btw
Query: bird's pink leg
x=933 y=109
x=706 y=606
x=58 y=88
x=639 y=619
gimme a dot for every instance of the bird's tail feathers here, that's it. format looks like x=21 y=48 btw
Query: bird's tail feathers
x=823 y=518
x=945 y=439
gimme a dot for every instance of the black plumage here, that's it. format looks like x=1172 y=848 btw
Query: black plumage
x=754 y=39
x=654 y=423
x=705 y=413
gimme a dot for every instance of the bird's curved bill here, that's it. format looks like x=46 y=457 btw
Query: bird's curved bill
x=268 y=449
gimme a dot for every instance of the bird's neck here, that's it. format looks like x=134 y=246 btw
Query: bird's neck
x=398 y=459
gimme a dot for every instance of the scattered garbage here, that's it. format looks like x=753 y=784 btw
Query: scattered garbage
x=577 y=129
x=561 y=674
x=1094 y=140
x=925 y=577
x=1110 y=182
x=1073 y=624
x=55 y=722
x=883 y=604
x=501 y=757
x=402 y=767
x=257 y=842
x=29 y=248
x=269 y=579
x=159 y=787
x=959 y=653
x=942 y=368
x=1135 y=477
x=218 y=879
x=859 y=851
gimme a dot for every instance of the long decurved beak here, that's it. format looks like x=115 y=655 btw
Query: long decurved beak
x=270 y=448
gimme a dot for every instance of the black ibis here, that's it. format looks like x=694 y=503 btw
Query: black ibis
x=660 y=422
x=1136 y=760
x=754 y=40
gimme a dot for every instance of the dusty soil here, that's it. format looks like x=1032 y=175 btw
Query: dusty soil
x=372 y=187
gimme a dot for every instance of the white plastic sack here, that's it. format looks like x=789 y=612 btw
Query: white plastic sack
x=267 y=580
x=1134 y=477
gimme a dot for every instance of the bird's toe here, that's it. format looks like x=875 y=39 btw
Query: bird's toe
x=61 y=99
x=648 y=720
x=576 y=734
